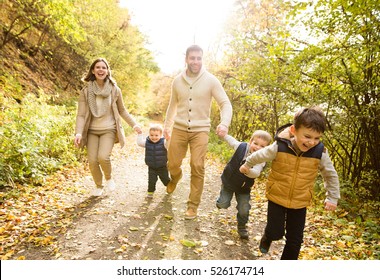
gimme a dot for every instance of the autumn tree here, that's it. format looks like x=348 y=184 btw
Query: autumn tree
x=255 y=63
x=342 y=71
x=288 y=54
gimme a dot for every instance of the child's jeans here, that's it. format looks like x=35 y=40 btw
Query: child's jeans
x=291 y=222
x=243 y=206
x=154 y=173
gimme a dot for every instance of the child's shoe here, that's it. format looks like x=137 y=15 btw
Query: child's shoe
x=150 y=195
x=111 y=185
x=243 y=232
x=264 y=244
x=98 y=191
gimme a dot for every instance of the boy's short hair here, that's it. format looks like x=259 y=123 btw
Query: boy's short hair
x=155 y=127
x=261 y=134
x=312 y=118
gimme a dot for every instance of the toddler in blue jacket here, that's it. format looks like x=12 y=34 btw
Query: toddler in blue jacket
x=234 y=182
x=155 y=157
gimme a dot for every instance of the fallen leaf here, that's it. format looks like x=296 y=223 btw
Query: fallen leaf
x=188 y=243
x=133 y=229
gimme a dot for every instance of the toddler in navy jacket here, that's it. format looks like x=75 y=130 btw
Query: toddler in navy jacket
x=155 y=157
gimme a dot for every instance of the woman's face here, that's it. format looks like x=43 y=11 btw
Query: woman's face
x=100 y=71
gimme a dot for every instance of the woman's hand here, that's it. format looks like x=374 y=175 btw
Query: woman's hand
x=77 y=140
x=137 y=129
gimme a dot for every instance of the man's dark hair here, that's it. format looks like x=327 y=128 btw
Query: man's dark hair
x=193 y=48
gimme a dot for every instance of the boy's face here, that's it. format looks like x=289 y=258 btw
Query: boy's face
x=257 y=144
x=155 y=135
x=305 y=138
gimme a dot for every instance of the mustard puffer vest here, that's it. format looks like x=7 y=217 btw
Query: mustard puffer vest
x=292 y=177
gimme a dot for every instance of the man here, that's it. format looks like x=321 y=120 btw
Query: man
x=188 y=115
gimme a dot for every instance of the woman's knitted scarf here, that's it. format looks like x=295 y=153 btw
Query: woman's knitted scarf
x=93 y=92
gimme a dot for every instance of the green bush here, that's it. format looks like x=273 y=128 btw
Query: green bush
x=219 y=148
x=36 y=140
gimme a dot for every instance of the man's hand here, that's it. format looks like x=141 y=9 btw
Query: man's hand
x=221 y=130
x=330 y=206
x=167 y=134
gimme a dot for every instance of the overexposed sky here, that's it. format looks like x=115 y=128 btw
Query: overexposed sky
x=173 y=25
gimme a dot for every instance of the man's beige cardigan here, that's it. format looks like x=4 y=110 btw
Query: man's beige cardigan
x=190 y=103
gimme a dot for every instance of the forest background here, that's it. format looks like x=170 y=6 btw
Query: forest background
x=278 y=56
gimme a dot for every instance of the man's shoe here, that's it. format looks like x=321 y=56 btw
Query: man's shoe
x=171 y=187
x=243 y=232
x=111 y=185
x=98 y=191
x=150 y=195
x=264 y=244
x=190 y=214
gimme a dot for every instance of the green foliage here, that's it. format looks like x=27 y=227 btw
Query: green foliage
x=63 y=19
x=10 y=86
x=69 y=35
x=36 y=140
x=219 y=148
x=283 y=55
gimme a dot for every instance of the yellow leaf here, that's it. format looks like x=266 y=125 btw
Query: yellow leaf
x=188 y=243
x=341 y=244
x=133 y=229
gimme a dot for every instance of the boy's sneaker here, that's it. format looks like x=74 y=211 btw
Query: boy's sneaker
x=111 y=185
x=98 y=191
x=264 y=244
x=190 y=214
x=150 y=195
x=243 y=232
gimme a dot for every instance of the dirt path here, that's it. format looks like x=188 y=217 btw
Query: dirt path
x=125 y=224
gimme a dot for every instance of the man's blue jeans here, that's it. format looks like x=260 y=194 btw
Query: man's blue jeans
x=243 y=206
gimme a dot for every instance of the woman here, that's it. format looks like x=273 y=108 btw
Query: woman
x=98 y=122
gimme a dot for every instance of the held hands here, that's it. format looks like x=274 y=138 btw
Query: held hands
x=243 y=169
x=330 y=206
x=221 y=130
x=167 y=134
x=137 y=129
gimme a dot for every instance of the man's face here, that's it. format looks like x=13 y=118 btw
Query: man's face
x=194 y=62
x=305 y=138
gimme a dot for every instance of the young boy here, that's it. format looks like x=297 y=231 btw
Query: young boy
x=297 y=156
x=155 y=157
x=233 y=182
